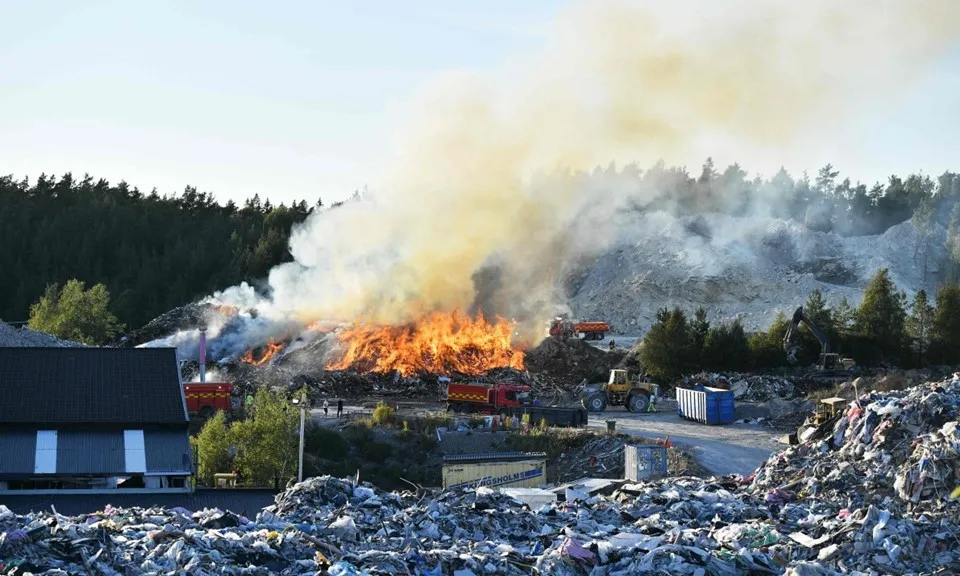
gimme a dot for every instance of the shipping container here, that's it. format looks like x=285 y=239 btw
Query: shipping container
x=514 y=469
x=566 y=417
x=644 y=462
x=705 y=405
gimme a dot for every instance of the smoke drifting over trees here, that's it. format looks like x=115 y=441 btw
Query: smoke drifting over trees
x=494 y=197
x=612 y=81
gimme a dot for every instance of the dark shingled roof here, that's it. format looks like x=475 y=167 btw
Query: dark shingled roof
x=65 y=386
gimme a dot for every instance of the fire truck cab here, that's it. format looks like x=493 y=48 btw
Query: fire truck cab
x=205 y=398
x=486 y=399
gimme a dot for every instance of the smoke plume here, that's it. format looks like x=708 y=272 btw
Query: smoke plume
x=478 y=211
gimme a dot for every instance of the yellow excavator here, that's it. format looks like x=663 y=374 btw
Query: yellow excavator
x=620 y=390
x=829 y=364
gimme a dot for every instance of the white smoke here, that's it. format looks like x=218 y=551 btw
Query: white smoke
x=465 y=221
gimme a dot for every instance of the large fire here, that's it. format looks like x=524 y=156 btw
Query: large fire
x=268 y=352
x=439 y=343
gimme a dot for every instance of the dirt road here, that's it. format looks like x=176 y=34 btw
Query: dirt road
x=730 y=449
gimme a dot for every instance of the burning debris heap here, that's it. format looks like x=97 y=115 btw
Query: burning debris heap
x=870 y=495
x=329 y=359
x=438 y=344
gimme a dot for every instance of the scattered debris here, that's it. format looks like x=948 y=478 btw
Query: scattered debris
x=870 y=495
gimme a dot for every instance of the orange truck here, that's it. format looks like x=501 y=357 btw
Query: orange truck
x=593 y=330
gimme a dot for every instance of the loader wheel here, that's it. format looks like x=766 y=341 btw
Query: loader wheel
x=595 y=403
x=638 y=403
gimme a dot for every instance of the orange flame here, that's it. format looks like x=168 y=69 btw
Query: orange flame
x=269 y=352
x=227 y=309
x=440 y=343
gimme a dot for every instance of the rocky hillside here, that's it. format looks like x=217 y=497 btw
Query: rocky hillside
x=737 y=266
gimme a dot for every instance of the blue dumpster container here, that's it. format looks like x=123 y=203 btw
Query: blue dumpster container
x=705 y=405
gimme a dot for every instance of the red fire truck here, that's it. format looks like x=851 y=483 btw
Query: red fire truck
x=205 y=398
x=486 y=399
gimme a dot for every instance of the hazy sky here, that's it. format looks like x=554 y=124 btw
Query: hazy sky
x=299 y=99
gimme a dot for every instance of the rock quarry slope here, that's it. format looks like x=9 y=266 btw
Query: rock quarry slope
x=740 y=267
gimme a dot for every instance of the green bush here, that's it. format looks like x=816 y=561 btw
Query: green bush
x=377 y=451
x=326 y=443
x=383 y=415
x=358 y=434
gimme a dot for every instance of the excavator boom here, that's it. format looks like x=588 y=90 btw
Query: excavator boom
x=788 y=339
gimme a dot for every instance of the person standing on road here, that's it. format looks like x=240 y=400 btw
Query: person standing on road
x=326 y=408
x=339 y=407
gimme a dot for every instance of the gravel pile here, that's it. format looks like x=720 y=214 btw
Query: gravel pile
x=22 y=337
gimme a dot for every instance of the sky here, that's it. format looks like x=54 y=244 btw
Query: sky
x=301 y=99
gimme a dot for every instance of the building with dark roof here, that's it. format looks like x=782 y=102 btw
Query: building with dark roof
x=92 y=419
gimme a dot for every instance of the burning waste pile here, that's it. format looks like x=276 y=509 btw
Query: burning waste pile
x=252 y=349
x=869 y=494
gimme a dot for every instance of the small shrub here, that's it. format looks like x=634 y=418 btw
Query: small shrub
x=431 y=422
x=358 y=433
x=326 y=443
x=377 y=451
x=383 y=414
x=427 y=442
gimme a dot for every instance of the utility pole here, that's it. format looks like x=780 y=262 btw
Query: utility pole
x=302 y=402
x=303 y=413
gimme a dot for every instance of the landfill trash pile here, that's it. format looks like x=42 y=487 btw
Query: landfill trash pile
x=189 y=316
x=602 y=456
x=571 y=361
x=150 y=541
x=22 y=337
x=749 y=387
x=872 y=487
x=761 y=388
x=868 y=494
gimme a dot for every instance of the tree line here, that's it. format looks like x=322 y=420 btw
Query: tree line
x=151 y=252
x=883 y=329
x=155 y=252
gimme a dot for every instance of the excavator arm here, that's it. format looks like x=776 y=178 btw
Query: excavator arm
x=792 y=348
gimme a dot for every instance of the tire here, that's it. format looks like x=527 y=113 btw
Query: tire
x=595 y=403
x=206 y=412
x=638 y=403
x=600 y=336
x=502 y=412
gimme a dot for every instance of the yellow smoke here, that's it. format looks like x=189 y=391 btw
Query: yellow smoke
x=614 y=80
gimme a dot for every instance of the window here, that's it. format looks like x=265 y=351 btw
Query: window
x=45 y=460
x=135 y=456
